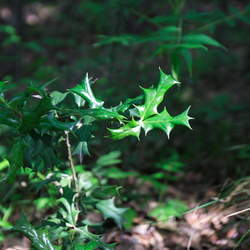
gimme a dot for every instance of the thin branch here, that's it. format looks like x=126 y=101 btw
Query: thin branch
x=71 y=163
x=238 y=212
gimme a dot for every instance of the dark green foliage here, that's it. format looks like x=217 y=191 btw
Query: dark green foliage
x=54 y=163
x=41 y=120
x=40 y=240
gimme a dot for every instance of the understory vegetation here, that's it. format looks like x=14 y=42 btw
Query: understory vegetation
x=124 y=125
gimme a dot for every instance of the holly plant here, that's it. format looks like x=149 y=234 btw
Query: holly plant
x=50 y=133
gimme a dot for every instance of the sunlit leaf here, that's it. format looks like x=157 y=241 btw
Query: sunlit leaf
x=149 y=117
x=84 y=90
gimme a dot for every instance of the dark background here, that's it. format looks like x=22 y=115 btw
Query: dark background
x=43 y=40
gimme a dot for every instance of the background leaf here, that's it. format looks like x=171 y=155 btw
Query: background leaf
x=109 y=210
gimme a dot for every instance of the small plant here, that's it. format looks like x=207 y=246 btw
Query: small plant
x=44 y=125
x=171 y=36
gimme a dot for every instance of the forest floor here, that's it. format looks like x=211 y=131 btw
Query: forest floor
x=211 y=223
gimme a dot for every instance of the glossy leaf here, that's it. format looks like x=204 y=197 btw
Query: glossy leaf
x=96 y=109
x=94 y=240
x=84 y=90
x=68 y=126
x=132 y=128
x=69 y=213
x=149 y=117
x=154 y=96
x=39 y=240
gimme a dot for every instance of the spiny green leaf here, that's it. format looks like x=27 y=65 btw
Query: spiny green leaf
x=154 y=96
x=69 y=213
x=39 y=239
x=132 y=128
x=166 y=122
x=59 y=124
x=149 y=118
x=96 y=109
x=93 y=238
x=109 y=210
x=84 y=90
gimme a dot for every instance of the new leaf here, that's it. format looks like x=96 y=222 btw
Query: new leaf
x=149 y=117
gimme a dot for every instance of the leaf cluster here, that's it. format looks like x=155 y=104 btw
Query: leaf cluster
x=42 y=123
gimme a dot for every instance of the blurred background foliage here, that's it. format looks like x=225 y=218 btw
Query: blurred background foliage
x=122 y=43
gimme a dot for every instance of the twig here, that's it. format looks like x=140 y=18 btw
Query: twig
x=190 y=241
x=191 y=235
x=71 y=163
x=238 y=212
